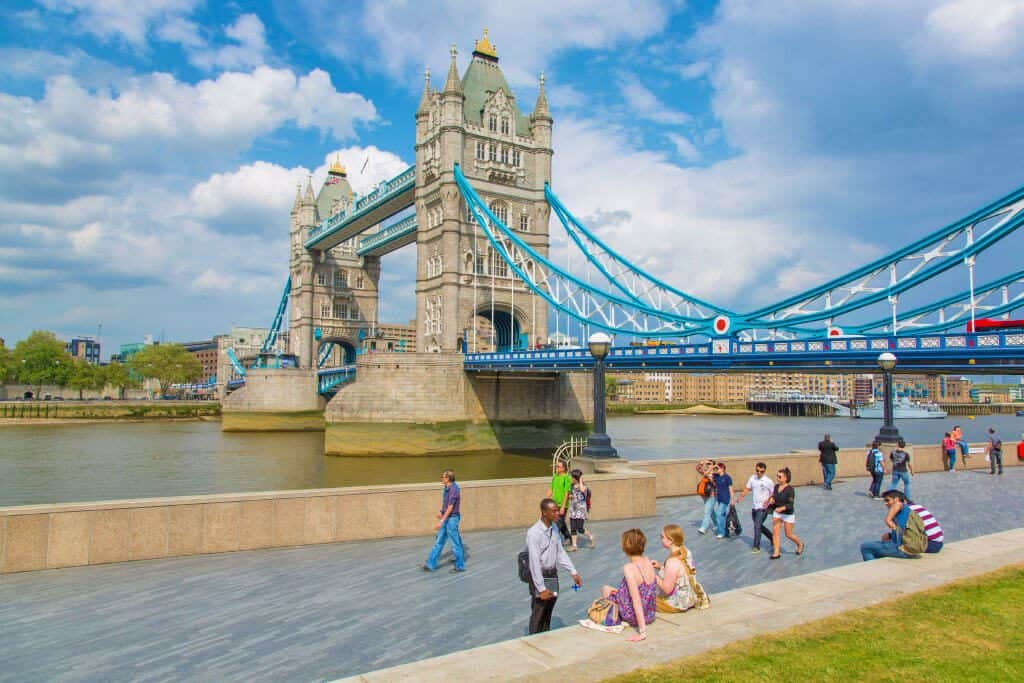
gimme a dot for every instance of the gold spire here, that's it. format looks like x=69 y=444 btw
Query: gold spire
x=484 y=48
x=336 y=168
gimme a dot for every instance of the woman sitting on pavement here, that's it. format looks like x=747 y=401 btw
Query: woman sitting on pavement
x=678 y=588
x=637 y=592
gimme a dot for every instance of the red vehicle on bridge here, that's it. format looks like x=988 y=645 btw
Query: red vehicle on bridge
x=982 y=325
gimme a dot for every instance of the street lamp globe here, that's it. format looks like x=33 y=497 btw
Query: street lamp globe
x=599 y=344
x=886 y=361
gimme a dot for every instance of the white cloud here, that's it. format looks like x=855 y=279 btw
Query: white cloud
x=399 y=38
x=684 y=147
x=644 y=104
x=127 y=20
x=249 y=46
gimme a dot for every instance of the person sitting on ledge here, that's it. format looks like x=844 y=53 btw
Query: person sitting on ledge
x=678 y=588
x=635 y=598
x=913 y=530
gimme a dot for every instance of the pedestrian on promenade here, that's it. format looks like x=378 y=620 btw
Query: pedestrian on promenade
x=949 y=448
x=448 y=525
x=783 y=502
x=761 y=486
x=706 y=491
x=995 y=451
x=875 y=465
x=636 y=596
x=912 y=530
x=545 y=554
x=561 y=483
x=678 y=588
x=902 y=467
x=723 y=497
x=958 y=437
x=579 y=504
x=1020 y=447
x=827 y=450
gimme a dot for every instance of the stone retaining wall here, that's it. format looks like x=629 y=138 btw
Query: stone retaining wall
x=50 y=536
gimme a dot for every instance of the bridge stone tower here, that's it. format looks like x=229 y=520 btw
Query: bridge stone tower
x=465 y=293
x=334 y=292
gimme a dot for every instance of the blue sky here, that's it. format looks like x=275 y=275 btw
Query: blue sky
x=741 y=150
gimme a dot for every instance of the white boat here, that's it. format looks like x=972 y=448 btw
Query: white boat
x=903 y=409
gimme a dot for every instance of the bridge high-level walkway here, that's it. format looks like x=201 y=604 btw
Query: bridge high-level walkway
x=328 y=611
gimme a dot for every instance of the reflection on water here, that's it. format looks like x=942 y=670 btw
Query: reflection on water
x=66 y=463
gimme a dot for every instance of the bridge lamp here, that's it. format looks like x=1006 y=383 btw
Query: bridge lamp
x=888 y=433
x=599 y=444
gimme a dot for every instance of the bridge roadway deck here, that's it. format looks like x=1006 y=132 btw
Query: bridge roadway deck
x=323 y=612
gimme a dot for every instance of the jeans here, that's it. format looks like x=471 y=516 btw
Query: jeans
x=449 y=531
x=828 y=473
x=963 y=447
x=951 y=456
x=709 y=509
x=759 y=516
x=721 y=512
x=995 y=457
x=877 y=549
x=876 y=484
x=905 y=478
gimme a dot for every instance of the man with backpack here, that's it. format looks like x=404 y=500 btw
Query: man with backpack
x=913 y=531
x=995 y=451
x=875 y=465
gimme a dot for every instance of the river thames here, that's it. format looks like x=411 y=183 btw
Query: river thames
x=85 y=462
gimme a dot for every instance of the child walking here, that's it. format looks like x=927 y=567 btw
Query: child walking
x=579 y=504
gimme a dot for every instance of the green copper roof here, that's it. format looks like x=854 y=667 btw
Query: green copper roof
x=333 y=188
x=483 y=78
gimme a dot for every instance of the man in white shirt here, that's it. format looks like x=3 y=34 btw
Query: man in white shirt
x=546 y=553
x=762 y=487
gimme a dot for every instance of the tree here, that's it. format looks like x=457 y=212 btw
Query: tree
x=41 y=359
x=166 y=363
x=6 y=366
x=119 y=377
x=86 y=376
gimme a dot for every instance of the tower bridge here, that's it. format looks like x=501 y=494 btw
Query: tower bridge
x=477 y=203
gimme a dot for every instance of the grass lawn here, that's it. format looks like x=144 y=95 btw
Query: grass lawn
x=967 y=631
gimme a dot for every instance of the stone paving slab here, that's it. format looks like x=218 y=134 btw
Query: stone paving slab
x=738 y=614
x=324 y=612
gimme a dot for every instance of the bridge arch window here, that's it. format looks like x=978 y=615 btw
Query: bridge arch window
x=524 y=222
x=481 y=150
x=321 y=279
x=347 y=248
x=515 y=158
x=432 y=322
x=504 y=155
x=325 y=309
x=340 y=278
x=504 y=125
x=360 y=282
x=492 y=152
x=341 y=311
x=498 y=267
x=435 y=265
x=492 y=123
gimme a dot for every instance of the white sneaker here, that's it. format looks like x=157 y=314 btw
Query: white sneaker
x=719 y=536
x=702 y=531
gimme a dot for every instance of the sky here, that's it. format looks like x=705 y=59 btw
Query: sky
x=740 y=150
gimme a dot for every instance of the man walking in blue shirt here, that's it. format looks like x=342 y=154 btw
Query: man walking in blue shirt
x=448 y=525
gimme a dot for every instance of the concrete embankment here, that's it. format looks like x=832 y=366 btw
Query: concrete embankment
x=47 y=536
x=61 y=412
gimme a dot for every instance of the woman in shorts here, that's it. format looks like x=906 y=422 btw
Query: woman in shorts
x=783 y=502
x=578 y=495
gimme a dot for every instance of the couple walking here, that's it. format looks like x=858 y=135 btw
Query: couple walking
x=777 y=499
x=715 y=488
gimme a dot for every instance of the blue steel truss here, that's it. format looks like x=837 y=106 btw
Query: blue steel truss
x=383 y=240
x=329 y=380
x=235 y=363
x=275 y=326
x=325 y=353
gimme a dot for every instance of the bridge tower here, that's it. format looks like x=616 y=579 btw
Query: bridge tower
x=334 y=291
x=465 y=293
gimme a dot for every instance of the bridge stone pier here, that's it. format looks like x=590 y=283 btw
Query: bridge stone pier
x=278 y=399
x=423 y=403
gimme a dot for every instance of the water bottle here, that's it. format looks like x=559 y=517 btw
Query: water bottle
x=575 y=588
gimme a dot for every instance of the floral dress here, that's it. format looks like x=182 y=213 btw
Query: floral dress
x=577 y=503
x=648 y=598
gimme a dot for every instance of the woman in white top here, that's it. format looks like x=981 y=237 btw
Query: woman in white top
x=678 y=588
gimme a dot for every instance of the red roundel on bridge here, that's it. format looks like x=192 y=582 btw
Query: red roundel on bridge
x=721 y=324
x=835 y=332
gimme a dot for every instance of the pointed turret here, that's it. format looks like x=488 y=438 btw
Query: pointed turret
x=453 y=86
x=298 y=198
x=540 y=110
x=309 y=198
x=424 y=107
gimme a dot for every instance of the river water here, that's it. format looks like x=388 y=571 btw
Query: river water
x=86 y=462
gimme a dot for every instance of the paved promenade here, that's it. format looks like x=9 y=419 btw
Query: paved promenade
x=324 y=612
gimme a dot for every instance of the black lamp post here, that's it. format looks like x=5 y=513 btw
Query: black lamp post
x=888 y=433
x=599 y=444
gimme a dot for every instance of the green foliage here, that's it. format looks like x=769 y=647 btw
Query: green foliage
x=41 y=359
x=6 y=365
x=118 y=376
x=84 y=376
x=166 y=363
